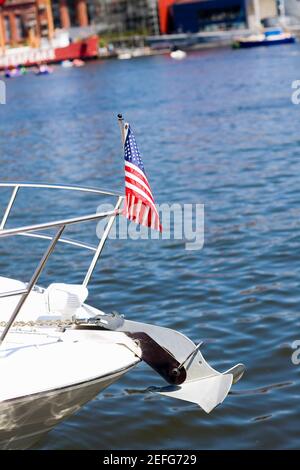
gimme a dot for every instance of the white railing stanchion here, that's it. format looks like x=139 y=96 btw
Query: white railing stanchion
x=102 y=242
x=9 y=206
x=32 y=282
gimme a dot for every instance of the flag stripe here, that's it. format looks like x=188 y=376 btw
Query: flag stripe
x=141 y=216
x=135 y=168
x=137 y=208
x=129 y=169
x=133 y=214
x=139 y=202
x=135 y=189
x=137 y=177
x=134 y=182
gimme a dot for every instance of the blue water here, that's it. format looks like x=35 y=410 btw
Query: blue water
x=219 y=129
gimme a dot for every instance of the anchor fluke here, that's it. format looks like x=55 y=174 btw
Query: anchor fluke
x=207 y=393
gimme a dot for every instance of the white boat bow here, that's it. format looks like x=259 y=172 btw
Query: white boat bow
x=57 y=352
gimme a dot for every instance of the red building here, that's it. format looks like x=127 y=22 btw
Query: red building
x=30 y=20
x=22 y=20
x=70 y=13
x=163 y=12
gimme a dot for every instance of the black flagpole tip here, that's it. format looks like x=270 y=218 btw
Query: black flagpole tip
x=120 y=116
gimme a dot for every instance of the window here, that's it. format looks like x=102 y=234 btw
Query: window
x=214 y=15
x=7 y=28
x=217 y=18
x=19 y=27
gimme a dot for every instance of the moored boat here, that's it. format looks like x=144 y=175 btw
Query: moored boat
x=57 y=351
x=268 y=38
x=178 y=54
x=43 y=69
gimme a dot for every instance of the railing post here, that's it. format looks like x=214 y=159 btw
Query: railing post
x=32 y=282
x=102 y=242
x=9 y=206
x=121 y=124
x=111 y=219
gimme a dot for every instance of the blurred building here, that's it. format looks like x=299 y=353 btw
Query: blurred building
x=70 y=13
x=35 y=19
x=260 y=11
x=291 y=8
x=22 y=20
x=126 y=15
x=191 y=16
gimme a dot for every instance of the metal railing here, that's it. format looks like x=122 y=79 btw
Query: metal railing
x=35 y=232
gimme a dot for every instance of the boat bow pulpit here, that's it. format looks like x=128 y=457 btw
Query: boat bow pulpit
x=75 y=350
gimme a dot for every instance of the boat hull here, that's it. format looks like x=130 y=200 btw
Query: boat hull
x=25 y=420
x=277 y=42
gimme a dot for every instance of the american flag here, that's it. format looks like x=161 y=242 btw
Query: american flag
x=139 y=201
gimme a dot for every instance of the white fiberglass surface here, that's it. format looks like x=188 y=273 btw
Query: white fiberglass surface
x=34 y=307
x=35 y=359
x=37 y=305
x=46 y=362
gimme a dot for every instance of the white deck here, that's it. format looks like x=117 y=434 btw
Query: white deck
x=35 y=307
x=37 y=359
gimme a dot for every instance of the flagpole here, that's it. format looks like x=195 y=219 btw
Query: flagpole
x=110 y=221
x=122 y=128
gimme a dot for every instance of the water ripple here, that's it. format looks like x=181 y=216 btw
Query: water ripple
x=208 y=134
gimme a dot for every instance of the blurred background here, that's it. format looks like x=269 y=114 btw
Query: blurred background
x=215 y=125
